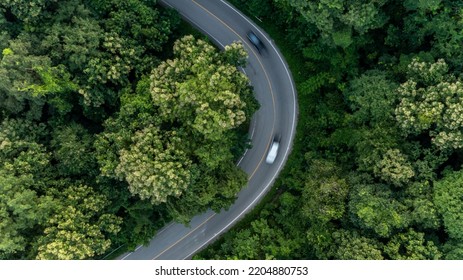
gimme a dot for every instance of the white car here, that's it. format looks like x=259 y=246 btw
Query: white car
x=272 y=153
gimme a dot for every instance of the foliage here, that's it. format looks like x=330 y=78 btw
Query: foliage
x=77 y=229
x=81 y=135
x=412 y=246
x=22 y=211
x=431 y=102
x=18 y=72
x=373 y=208
x=110 y=127
x=199 y=90
x=155 y=167
x=378 y=86
x=198 y=95
x=73 y=150
x=336 y=20
x=324 y=193
x=448 y=199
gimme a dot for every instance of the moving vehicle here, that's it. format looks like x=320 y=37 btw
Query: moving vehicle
x=273 y=152
x=252 y=37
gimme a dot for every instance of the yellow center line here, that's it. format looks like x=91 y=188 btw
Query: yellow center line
x=273 y=125
x=185 y=236
x=263 y=69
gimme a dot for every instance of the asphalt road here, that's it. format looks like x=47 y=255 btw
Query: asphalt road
x=276 y=93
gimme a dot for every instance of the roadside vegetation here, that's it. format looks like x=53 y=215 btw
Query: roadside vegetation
x=376 y=168
x=113 y=122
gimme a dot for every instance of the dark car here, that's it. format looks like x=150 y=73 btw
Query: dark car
x=252 y=37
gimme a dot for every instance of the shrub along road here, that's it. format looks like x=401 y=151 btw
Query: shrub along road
x=275 y=91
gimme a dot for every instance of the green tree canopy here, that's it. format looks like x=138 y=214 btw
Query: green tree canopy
x=448 y=197
x=412 y=246
x=79 y=227
x=336 y=20
x=200 y=89
x=431 y=104
x=373 y=208
x=155 y=166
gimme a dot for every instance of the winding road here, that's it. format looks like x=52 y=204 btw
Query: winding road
x=275 y=91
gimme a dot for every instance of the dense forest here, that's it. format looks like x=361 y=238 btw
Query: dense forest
x=114 y=120
x=380 y=88
x=116 y=117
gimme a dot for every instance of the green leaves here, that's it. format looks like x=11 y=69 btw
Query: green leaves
x=78 y=228
x=25 y=10
x=325 y=192
x=374 y=208
x=172 y=141
x=155 y=166
x=430 y=103
x=73 y=151
x=412 y=245
x=371 y=98
x=63 y=67
x=200 y=90
x=22 y=210
x=448 y=197
x=350 y=245
x=336 y=20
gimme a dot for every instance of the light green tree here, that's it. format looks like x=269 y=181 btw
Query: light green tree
x=411 y=245
x=155 y=166
x=394 y=168
x=22 y=211
x=350 y=245
x=172 y=141
x=198 y=88
x=18 y=71
x=24 y=206
x=373 y=207
x=29 y=81
x=325 y=192
x=79 y=227
x=21 y=150
x=336 y=20
x=448 y=197
x=431 y=104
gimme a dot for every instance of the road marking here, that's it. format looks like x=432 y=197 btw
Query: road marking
x=139 y=247
x=263 y=70
x=165 y=228
x=281 y=60
x=136 y=249
x=273 y=127
x=287 y=149
x=268 y=145
x=253 y=126
x=185 y=236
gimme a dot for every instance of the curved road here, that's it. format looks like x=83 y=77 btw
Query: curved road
x=276 y=94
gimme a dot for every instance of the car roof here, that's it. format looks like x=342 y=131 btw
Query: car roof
x=272 y=154
x=253 y=37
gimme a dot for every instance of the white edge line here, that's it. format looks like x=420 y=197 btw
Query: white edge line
x=138 y=248
x=192 y=22
x=246 y=151
x=252 y=122
x=292 y=125
x=287 y=149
